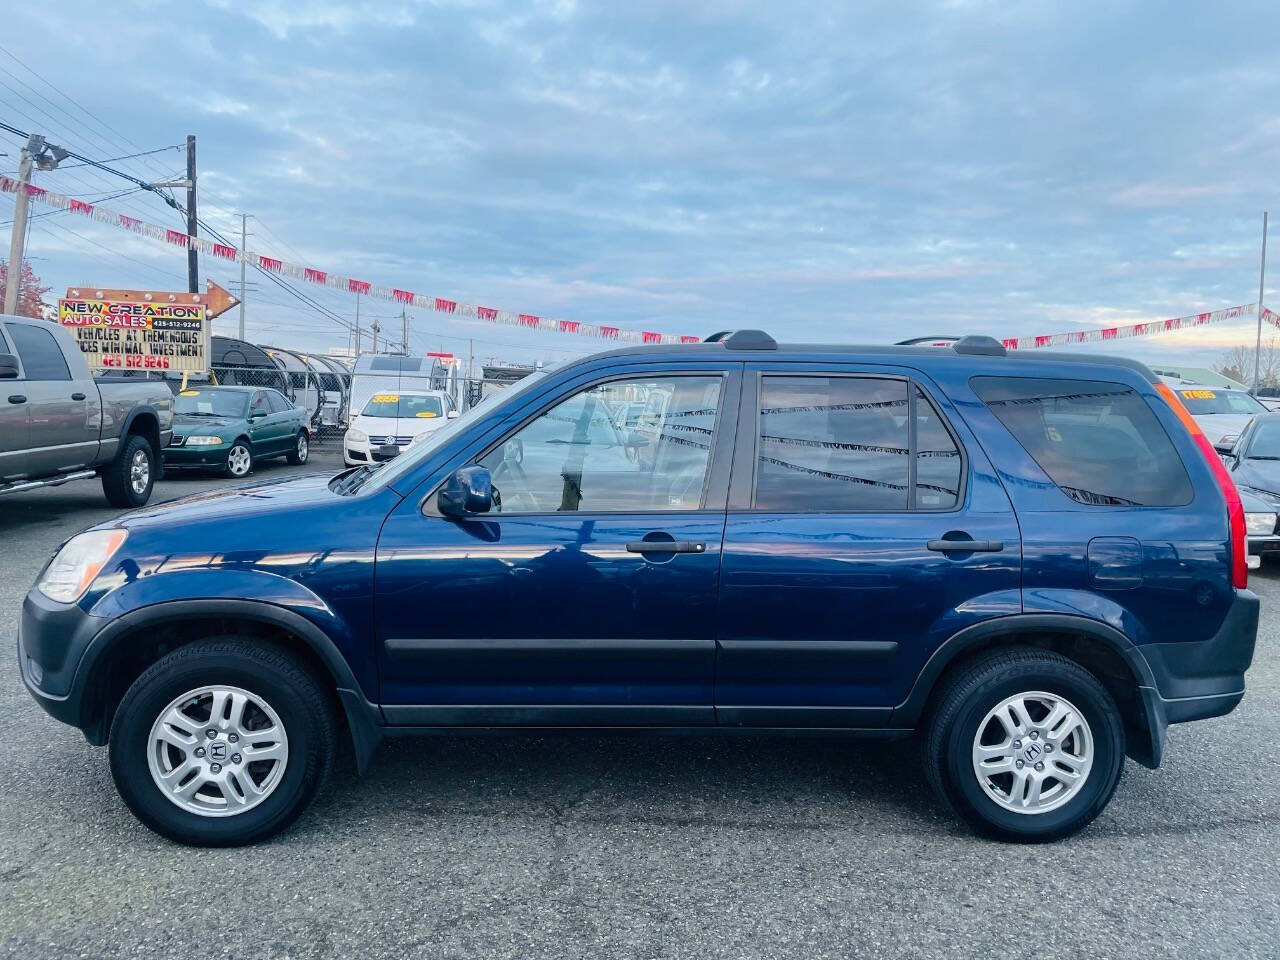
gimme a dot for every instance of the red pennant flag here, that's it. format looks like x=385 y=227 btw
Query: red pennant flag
x=446 y=306
x=1011 y=343
x=402 y=296
x=486 y=313
x=36 y=192
x=1044 y=340
x=530 y=320
x=315 y=276
x=648 y=336
x=269 y=263
x=690 y=340
x=568 y=326
x=130 y=223
x=175 y=238
x=609 y=333
x=1109 y=333
x=222 y=250
x=358 y=286
x=79 y=206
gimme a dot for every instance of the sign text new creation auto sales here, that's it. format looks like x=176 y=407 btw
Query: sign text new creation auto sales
x=137 y=336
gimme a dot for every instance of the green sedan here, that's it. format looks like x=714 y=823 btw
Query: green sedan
x=228 y=428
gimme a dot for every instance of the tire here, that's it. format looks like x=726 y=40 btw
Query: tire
x=301 y=449
x=289 y=709
x=127 y=480
x=239 y=462
x=959 y=729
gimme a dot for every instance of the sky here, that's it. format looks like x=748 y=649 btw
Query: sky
x=851 y=172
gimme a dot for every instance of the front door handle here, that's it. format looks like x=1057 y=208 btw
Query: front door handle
x=966 y=546
x=666 y=546
x=77 y=396
x=17 y=398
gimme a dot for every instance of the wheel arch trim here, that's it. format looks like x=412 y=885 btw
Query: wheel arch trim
x=364 y=719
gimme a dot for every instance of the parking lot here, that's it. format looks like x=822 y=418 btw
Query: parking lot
x=631 y=847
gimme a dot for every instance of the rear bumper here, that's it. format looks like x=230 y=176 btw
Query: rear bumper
x=1201 y=679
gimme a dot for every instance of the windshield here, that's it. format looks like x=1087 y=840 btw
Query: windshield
x=211 y=403
x=403 y=405
x=416 y=454
x=1201 y=400
x=1265 y=443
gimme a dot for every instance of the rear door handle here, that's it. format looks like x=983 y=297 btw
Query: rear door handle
x=666 y=546
x=966 y=546
x=17 y=398
x=77 y=396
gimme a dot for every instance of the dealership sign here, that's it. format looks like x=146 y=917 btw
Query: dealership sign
x=143 y=329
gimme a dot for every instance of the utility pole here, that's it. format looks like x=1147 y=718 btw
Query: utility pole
x=1262 y=280
x=404 y=330
x=357 y=325
x=193 y=262
x=17 y=238
x=376 y=328
x=244 y=236
x=471 y=359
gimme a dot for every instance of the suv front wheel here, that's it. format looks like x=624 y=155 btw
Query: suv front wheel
x=1025 y=745
x=222 y=742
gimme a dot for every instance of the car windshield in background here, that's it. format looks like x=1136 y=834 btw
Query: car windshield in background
x=1201 y=400
x=403 y=405
x=1265 y=444
x=382 y=476
x=211 y=403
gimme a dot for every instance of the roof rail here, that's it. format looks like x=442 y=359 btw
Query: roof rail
x=743 y=340
x=979 y=346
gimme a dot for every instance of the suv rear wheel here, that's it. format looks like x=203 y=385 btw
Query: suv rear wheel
x=1025 y=744
x=222 y=742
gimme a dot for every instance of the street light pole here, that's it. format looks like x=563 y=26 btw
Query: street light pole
x=1262 y=280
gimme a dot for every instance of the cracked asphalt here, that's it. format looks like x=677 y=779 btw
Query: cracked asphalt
x=632 y=847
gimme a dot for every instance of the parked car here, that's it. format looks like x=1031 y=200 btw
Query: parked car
x=1036 y=562
x=389 y=422
x=1254 y=462
x=60 y=423
x=1221 y=412
x=230 y=428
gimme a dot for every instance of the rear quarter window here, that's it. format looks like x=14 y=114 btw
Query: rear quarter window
x=1098 y=441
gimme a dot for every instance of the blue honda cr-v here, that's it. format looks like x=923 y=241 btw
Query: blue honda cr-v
x=1036 y=562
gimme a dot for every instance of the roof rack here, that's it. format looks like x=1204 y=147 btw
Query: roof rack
x=743 y=340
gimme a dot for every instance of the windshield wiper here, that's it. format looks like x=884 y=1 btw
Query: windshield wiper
x=351 y=482
x=1259 y=456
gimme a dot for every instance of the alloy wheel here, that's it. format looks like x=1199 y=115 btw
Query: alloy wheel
x=303 y=448
x=238 y=460
x=217 y=751
x=1032 y=752
x=139 y=472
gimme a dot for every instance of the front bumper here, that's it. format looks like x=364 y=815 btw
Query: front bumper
x=52 y=639
x=185 y=456
x=1199 y=679
x=358 y=452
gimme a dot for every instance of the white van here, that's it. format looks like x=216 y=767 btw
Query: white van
x=389 y=422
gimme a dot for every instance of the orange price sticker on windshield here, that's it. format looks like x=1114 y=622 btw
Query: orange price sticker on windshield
x=1199 y=394
x=426 y=414
x=189 y=393
x=387 y=398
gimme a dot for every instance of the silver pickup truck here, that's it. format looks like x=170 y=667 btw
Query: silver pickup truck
x=60 y=423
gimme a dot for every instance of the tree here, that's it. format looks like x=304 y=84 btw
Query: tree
x=31 y=302
x=1237 y=363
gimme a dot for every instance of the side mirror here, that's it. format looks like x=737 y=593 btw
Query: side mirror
x=451 y=415
x=1225 y=448
x=468 y=491
x=8 y=366
x=257 y=413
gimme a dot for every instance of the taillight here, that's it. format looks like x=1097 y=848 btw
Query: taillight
x=1235 y=509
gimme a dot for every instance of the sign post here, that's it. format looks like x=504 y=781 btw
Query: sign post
x=144 y=329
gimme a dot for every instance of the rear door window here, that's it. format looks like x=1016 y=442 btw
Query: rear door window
x=41 y=357
x=853 y=444
x=1098 y=441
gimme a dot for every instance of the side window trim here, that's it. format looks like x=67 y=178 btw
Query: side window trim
x=715 y=483
x=746 y=465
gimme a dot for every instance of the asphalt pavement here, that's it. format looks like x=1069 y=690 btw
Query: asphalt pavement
x=628 y=846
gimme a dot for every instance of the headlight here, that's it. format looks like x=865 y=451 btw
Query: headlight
x=204 y=441
x=74 y=567
x=357 y=436
x=1260 y=524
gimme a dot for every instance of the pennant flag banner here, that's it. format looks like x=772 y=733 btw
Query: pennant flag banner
x=334 y=281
